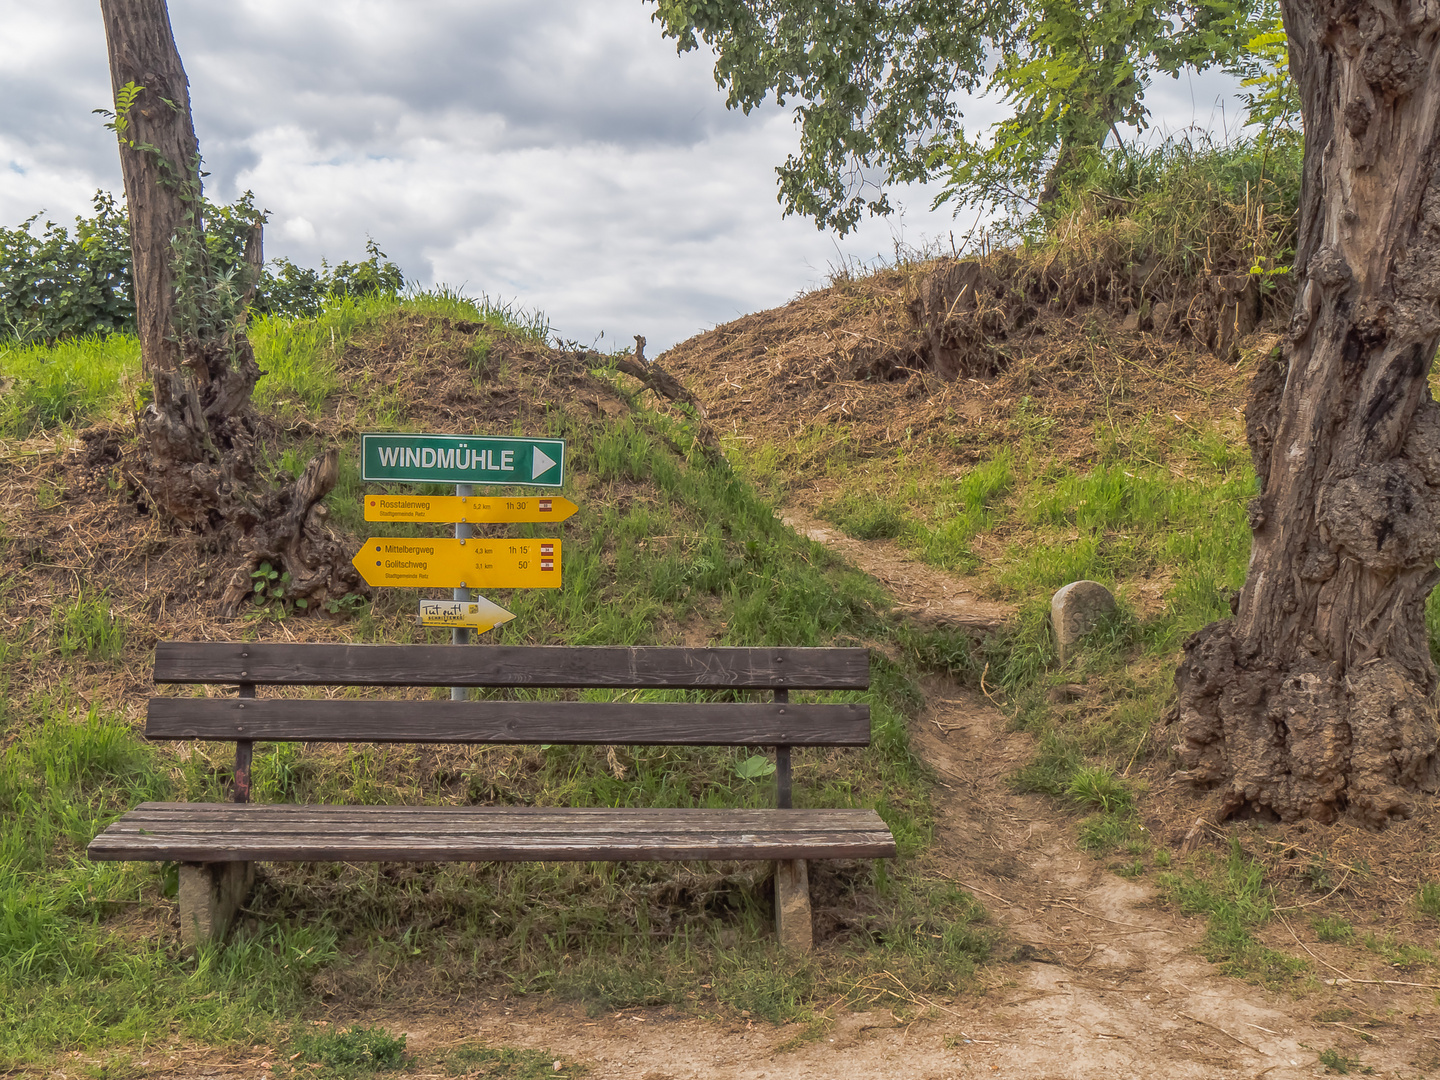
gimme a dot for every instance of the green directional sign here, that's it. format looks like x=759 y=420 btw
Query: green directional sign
x=462 y=459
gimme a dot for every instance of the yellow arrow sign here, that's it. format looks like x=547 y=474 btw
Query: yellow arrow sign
x=447 y=563
x=474 y=509
x=478 y=614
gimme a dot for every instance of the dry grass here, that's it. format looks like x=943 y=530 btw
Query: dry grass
x=795 y=378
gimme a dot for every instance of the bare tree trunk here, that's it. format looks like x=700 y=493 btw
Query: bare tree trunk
x=201 y=439
x=1319 y=697
x=142 y=53
x=199 y=430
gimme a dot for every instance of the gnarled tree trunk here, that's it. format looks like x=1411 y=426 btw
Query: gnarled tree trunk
x=1318 y=697
x=201 y=441
x=198 y=465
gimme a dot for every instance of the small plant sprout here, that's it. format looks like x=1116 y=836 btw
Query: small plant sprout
x=755 y=767
x=269 y=595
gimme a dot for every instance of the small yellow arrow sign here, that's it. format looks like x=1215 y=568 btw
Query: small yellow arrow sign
x=448 y=563
x=478 y=614
x=473 y=509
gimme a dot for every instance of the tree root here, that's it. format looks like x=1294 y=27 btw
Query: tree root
x=195 y=464
x=291 y=533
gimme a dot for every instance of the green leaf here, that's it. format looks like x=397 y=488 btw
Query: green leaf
x=755 y=767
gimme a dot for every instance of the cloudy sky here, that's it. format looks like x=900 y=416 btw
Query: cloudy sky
x=557 y=155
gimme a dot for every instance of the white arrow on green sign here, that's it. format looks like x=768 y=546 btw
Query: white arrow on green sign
x=462 y=459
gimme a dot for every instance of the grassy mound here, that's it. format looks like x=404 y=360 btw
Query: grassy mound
x=668 y=547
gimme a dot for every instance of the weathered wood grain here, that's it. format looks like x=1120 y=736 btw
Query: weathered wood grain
x=227 y=832
x=525 y=722
x=310 y=664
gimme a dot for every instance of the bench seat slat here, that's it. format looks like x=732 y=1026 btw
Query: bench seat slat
x=315 y=664
x=516 y=722
x=217 y=832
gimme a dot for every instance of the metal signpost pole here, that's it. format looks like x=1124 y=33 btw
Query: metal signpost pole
x=460 y=635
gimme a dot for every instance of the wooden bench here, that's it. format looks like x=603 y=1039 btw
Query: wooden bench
x=217 y=844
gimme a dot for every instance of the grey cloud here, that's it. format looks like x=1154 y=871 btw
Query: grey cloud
x=556 y=155
x=51 y=77
x=552 y=72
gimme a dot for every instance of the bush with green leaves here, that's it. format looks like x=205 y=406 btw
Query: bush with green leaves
x=289 y=289
x=55 y=283
x=58 y=282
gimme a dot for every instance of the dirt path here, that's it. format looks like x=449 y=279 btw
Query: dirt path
x=923 y=593
x=1112 y=987
x=1102 y=981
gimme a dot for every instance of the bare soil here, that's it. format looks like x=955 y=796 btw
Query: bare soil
x=924 y=594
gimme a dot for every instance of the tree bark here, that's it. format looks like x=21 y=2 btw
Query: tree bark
x=1319 y=696
x=200 y=435
x=159 y=160
x=199 y=431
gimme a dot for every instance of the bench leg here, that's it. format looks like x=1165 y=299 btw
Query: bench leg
x=792 y=905
x=210 y=894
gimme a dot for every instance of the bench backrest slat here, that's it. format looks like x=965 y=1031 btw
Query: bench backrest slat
x=515 y=722
x=548 y=666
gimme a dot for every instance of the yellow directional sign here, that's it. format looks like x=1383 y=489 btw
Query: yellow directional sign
x=447 y=563
x=474 y=509
x=478 y=614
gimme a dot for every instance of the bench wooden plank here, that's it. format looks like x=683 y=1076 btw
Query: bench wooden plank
x=219 y=832
x=522 y=722
x=313 y=664
x=218 y=818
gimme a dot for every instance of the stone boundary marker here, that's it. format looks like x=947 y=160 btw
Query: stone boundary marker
x=1075 y=610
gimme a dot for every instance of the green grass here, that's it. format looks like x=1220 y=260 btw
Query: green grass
x=71 y=978
x=489 y=1063
x=958 y=510
x=80 y=380
x=87 y=626
x=1396 y=953
x=1233 y=897
x=937 y=518
x=866 y=515
x=1332 y=929
x=65 y=384
x=1157 y=502
x=1123 y=520
x=298 y=355
x=348 y=1053
x=1177 y=209
x=1338 y=1062
x=1427 y=899
x=1099 y=788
